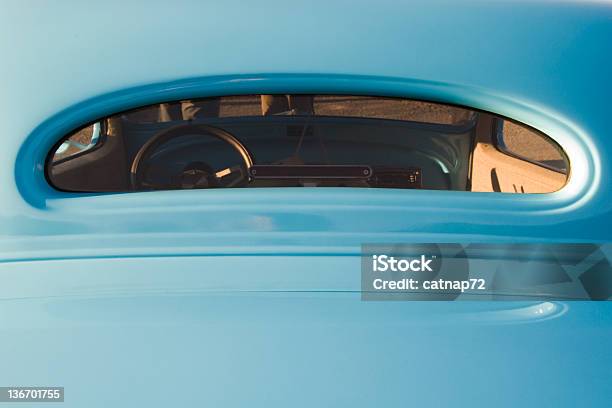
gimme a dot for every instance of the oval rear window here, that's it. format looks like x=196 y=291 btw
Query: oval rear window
x=252 y=141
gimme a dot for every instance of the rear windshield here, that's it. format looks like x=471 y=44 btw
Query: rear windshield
x=250 y=141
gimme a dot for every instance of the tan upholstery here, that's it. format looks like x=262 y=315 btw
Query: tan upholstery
x=496 y=171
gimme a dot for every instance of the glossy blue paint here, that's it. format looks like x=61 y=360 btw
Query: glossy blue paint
x=251 y=297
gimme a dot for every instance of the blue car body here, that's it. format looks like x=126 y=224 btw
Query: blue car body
x=252 y=297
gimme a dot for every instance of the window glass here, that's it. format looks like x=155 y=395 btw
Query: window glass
x=395 y=109
x=79 y=142
x=322 y=105
x=251 y=141
x=531 y=145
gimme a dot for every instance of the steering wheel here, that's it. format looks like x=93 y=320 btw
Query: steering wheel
x=198 y=174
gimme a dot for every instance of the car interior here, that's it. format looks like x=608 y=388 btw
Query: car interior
x=250 y=141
